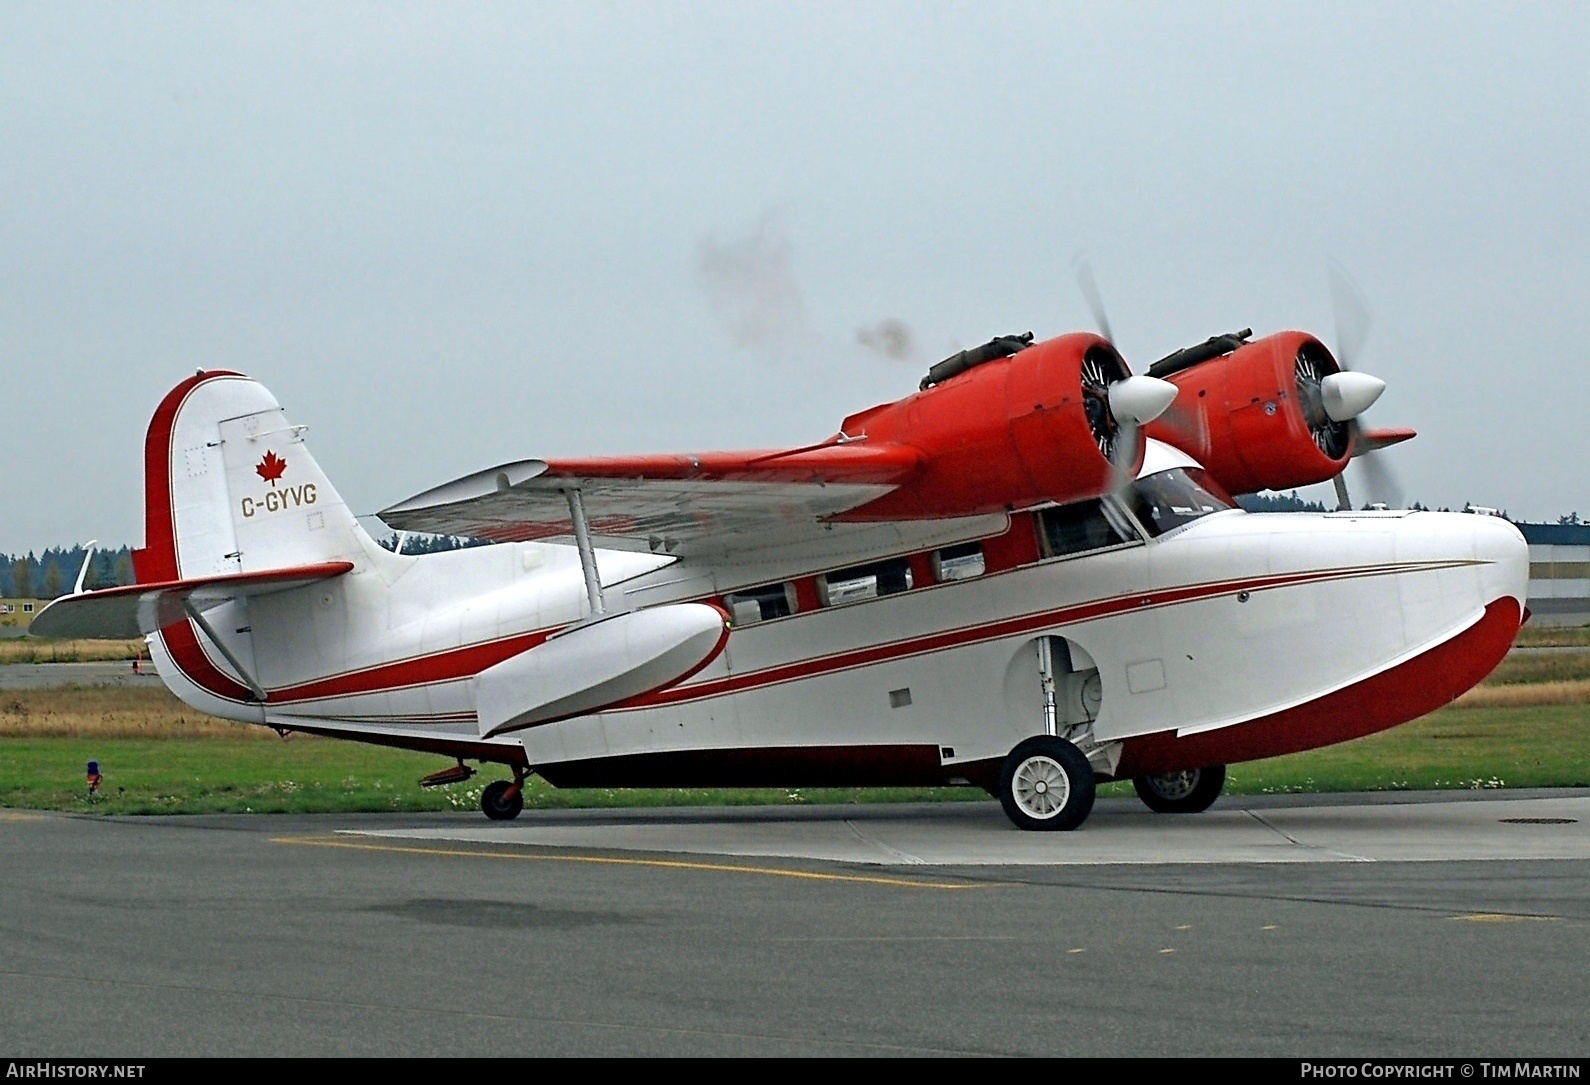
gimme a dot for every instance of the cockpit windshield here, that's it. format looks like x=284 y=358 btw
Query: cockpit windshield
x=1169 y=499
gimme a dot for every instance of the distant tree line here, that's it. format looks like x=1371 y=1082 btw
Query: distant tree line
x=420 y=543
x=1278 y=503
x=53 y=572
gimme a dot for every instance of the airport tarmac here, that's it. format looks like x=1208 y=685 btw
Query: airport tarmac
x=1547 y=825
x=742 y=931
x=48 y=675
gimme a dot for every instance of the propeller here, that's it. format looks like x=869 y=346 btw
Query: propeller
x=1379 y=479
x=1095 y=300
x=1118 y=406
x=1345 y=395
x=1351 y=314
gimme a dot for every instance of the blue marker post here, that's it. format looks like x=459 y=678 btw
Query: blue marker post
x=94 y=779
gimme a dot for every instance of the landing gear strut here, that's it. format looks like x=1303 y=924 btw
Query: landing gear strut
x=503 y=799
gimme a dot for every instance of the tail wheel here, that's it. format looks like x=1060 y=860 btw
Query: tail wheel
x=1046 y=783
x=1190 y=791
x=502 y=800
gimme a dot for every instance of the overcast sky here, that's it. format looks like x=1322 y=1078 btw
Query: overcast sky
x=447 y=236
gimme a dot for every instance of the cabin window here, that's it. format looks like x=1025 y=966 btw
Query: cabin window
x=1170 y=499
x=760 y=604
x=864 y=582
x=1078 y=528
x=27 y=608
x=959 y=562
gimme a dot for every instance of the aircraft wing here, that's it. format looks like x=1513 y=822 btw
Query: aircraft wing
x=665 y=504
x=136 y=609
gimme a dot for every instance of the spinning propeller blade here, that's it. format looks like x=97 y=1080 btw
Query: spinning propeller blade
x=1353 y=321
x=1133 y=401
x=1380 y=481
x=1095 y=300
x=1348 y=394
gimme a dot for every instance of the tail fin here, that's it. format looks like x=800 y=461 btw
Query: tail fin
x=230 y=487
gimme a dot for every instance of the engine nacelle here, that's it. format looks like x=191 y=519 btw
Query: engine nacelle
x=1015 y=431
x=1254 y=417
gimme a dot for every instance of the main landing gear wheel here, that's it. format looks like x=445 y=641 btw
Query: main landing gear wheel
x=1046 y=783
x=503 y=799
x=1190 y=791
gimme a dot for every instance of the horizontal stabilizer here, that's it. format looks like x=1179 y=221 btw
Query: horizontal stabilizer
x=137 y=609
x=599 y=664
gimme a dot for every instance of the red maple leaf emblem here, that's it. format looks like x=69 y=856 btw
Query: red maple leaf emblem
x=271 y=467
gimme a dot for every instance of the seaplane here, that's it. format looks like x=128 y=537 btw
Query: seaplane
x=1029 y=575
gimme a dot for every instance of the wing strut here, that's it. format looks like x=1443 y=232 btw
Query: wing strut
x=237 y=664
x=582 y=539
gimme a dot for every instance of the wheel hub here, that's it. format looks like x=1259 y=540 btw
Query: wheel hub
x=1176 y=785
x=1041 y=787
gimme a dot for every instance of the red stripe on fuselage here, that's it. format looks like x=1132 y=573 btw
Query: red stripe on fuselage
x=463 y=663
x=1007 y=627
x=448 y=666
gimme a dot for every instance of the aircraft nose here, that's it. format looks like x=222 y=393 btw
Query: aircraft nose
x=1502 y=547
x=1472 y=561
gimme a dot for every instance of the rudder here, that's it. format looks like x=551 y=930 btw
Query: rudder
x=230 y=487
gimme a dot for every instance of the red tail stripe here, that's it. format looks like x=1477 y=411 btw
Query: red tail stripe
x=157 y=561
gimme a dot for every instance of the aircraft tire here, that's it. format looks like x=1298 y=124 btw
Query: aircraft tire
x=1046 y=784
x=497 y=804
x=1191 y=791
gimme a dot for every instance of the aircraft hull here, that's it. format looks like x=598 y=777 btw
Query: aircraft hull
x=1244 y=644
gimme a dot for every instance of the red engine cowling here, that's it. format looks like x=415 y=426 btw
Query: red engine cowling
x=1252 y=417
x=1013 y=432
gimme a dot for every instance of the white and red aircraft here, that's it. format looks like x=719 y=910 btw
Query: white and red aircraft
x=1026 y=576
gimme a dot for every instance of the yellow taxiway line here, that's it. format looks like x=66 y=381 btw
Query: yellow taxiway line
x=608 y=860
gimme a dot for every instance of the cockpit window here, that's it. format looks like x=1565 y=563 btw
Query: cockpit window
x=1172 y=498
x=1081 y=527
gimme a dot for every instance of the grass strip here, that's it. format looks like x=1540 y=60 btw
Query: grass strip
x=1465 y=748
x=36 y=650
x=1553 y=636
